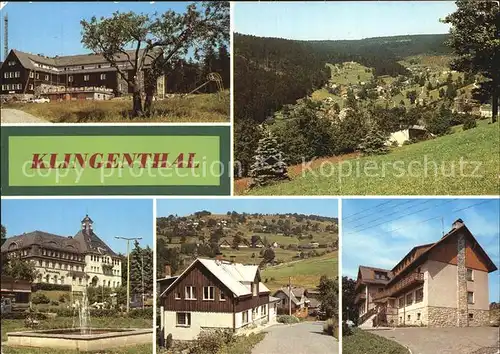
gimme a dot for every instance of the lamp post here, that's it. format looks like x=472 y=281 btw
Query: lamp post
x=128 y=239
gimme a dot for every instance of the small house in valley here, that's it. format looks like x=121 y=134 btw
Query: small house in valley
x=298 y=298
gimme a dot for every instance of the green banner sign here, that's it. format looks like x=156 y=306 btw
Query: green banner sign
x=114 y=160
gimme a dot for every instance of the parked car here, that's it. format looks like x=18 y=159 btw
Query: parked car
x=39 y=100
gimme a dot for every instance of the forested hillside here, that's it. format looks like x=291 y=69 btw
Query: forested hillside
x=272 y=72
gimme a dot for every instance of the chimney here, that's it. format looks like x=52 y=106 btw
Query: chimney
x=458 y=223
x=168 y=270
x=218 y=257
x=232 y=259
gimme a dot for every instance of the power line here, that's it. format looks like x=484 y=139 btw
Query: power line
x=402 y=216
x=437 y=217
x=359 y=212
x=391 y=212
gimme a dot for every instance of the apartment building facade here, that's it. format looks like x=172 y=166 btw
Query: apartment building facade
x=215 y=294
x=75 y=261
x=33 y=74
x=442 y=284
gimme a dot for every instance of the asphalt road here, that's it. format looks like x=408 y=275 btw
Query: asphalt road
x=17 y=116
x=467 y=340
x=302 y=338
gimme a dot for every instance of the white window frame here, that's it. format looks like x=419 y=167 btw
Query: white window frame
x=190 y=293
x=243 y=317
x=187 y=319
x=4 y=87
x=70 y=78
x=222 y=296
x=412 y=299
x=37 y=76
x=86 y=77
x=177 y=295
x=211 y=293
x=103 y=76
x=470 y=292
x=471 y=274
x=32 y=74
x=6 y=75
x=12 y=63
x=415 y=298
x=46 y=77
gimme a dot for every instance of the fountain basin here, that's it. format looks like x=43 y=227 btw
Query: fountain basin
x=71 y=338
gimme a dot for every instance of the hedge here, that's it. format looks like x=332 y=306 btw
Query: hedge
x=23 y=315
x=45 y=286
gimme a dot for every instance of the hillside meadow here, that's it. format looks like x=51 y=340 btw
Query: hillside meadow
x=303 y=273
x=462 y=163
x=201 y=108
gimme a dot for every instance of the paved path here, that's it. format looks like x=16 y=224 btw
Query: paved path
x=17 y=116
x=469 y=340
x=302 y=338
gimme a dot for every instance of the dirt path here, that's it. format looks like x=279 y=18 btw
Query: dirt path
x=17 y=116
x=241 y=185
x=302 y=338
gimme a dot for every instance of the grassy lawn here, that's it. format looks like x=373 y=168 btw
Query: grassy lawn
x=243 y=344
x=463 y=163
x=362 y=342
x=304 y=273
x=195 y=108
x=67 y=322
x=139 y=349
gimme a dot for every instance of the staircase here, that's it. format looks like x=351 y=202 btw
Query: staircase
x=366 y=321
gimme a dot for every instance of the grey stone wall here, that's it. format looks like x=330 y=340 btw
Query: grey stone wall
x=479 y=318
x=442 y=316
x=462 y=314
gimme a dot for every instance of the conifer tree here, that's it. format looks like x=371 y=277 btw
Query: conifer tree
x=374 y=143
x=269 y=165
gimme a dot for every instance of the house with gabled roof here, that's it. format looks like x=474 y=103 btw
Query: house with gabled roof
x=299 y=301
x=440 y=284
x=72 y=261
x=215 y=294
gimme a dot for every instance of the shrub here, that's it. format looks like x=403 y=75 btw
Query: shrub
x=54 y=303
x=331 y=327
x=146 y=313
x=45 y=286
x=106 y=313
x=22 y=315
x=169 y=341
x=438 y=123
x=39 y=298
x=469 y=122
x=209 y=342
x=287 y=319
x=63 y=298
x=346 y=330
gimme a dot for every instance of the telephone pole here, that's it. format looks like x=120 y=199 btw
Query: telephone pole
x=289 y=296
x=128 y=239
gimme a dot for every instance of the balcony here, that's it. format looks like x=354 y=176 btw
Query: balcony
x=407 y=282
x=359 y=297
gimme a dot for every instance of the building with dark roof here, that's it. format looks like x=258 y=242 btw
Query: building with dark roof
x=440 y=284
x=77 y=261
x=34 y=74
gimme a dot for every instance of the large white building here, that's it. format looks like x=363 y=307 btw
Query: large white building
x=78 y=261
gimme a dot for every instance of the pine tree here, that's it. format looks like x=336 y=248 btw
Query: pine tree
x=374 y=143
x=269 y=165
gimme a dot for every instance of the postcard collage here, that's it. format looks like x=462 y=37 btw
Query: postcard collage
x=250 y=177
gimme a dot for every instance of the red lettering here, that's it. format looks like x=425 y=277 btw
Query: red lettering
x=191 y=160
x=112 y=163
x=93 y=159
x=53 y=160
x=179 y=160
x=65 y=163
x=80 y=158
x=37 y=161
x=129 y=159
x=144 y=158
x=160 y=160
